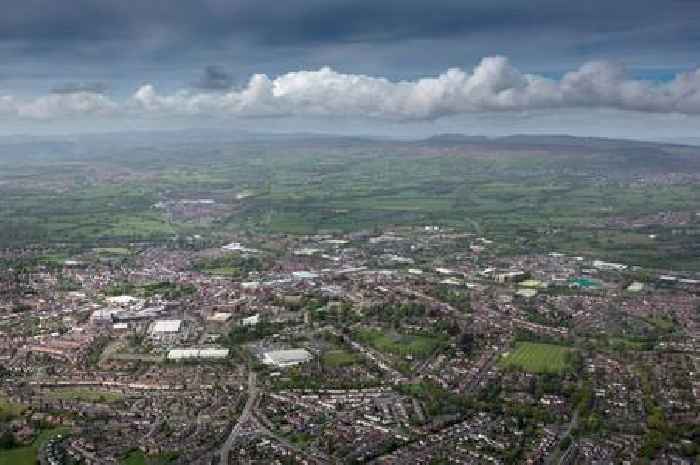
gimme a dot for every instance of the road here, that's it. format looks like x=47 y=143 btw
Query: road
x=248 y=421
x=557 y=454
x=245 y=417
x=315 y=455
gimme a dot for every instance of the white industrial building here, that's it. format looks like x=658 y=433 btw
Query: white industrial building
x=304 y=275
x=191 y=354
x=251 y=320
x=103 y=315
x=608 y=266
x=286 y=358
x=220 y=317
x=166 y=326
x=238 y=247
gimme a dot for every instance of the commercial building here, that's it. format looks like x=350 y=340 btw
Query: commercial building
x=220 y=317
x=165 y=326
x=286 y=358
x=200 y=354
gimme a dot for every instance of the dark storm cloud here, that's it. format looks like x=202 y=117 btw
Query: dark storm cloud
x=401 y=60
x=78 y=87
x=47 y=24
x=214 y=78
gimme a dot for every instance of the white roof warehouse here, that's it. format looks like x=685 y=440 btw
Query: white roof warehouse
x=188 y=354
x=166 y=326
x=286 y=358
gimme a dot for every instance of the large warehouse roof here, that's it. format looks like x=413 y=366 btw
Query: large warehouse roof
x=180 y=354
x=166 y=326
x=284 y=358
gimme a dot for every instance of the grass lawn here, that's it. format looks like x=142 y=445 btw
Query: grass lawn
x=663 y=324
x=19 y=456
x=538 y=358
x=84 y=394
x=112 y=250
x=400 y=344
x=136 y=457
x=339 y=358
x=28 y=455
x=10 y=409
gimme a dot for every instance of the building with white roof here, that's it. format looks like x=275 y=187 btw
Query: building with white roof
x=103 y=315
x=286 y=358
x=304 y=274
x=608 y=266
x=166 y=326
x=124 y=300
x=220 y=317
x=190 y=354
x=251 y=320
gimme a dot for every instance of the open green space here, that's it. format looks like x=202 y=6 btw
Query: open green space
x=111 y=251
x=415 y=345
x=167 y=289
x=576 y=196
x=27 y=455
x=339 y=358
x=663 y=324
x=136 y=457
x=538 y=358
x=84 y=394
x=10 y=409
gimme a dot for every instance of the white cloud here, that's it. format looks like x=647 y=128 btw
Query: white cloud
x=59 y=106
x=493 y=85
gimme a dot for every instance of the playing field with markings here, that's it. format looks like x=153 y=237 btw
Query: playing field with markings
x=538 y=358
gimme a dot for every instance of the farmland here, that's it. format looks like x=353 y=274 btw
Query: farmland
x=584 y=196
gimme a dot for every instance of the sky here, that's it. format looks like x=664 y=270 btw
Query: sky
x=627 y=68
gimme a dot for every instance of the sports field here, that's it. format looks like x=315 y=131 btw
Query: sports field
x=538 y=358
x=84 y=394
x=403 y=345
x=339 y=358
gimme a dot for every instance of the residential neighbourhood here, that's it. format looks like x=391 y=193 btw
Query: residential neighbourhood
x=258 y=353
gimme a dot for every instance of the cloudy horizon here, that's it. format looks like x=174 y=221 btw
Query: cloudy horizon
x=382 y=67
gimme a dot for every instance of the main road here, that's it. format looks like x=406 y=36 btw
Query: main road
x=245 y=417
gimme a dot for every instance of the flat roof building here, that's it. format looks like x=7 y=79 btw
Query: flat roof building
x=220 y=317
x=189 y=354
x=166 y=326
x=286 y=358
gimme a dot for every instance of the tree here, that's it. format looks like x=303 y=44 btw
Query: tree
x=7 y=440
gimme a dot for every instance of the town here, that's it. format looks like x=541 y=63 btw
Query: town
x=397 y=345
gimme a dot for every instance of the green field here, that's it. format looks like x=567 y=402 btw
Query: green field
x=84 y=394
x=339 y=358
x=9 y=409
x=403 y=345
x=136 y=457
x=550 y=194
x=112 y=251
x=28 y=455
x=538 y=358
